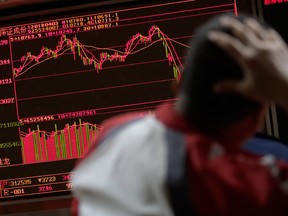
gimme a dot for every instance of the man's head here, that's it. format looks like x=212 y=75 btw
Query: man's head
x=208 y=64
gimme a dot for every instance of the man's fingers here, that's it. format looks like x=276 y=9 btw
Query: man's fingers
x=228 y=43
x=275 y=36
x=239 y=87
x=248 y=32
x=237 y=28
x=256 y=28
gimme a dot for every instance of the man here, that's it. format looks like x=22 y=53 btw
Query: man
x=187 y=159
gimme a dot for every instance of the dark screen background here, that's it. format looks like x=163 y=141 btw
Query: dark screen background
x=53 y=93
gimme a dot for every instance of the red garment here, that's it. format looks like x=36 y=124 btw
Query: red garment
x=234 y=183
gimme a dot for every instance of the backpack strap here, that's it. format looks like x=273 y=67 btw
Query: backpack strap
x=177 y=180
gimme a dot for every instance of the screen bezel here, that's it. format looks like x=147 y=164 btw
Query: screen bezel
x=35 y=11
x=14 y=15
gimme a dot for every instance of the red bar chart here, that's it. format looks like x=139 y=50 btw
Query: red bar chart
x=67 y=143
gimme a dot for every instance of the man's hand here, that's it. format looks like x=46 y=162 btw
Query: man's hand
x=263 y=57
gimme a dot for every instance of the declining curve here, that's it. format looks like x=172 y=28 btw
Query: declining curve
x=133 y=46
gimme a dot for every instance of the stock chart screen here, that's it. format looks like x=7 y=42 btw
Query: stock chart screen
x=61 y=76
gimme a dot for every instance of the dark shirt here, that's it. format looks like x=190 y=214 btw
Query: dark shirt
x=263 y=145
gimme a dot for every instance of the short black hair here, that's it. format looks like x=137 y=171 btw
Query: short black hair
x=206 y=65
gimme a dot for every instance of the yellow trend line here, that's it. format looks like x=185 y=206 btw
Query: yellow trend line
x=84 y=52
